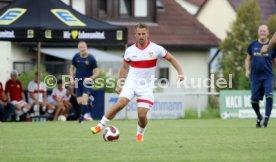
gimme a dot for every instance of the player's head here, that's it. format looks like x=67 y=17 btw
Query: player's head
x=14 y=75
x=141 y=34
x=37 y=75
x=263 y=32
x=59 y=84
x=82 y=46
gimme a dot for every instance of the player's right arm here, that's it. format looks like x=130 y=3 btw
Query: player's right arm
x=270 y=46
x=122 y=75
x=72 y=73
x=247 y=63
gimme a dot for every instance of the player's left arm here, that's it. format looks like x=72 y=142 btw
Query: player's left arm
x=176 y=65
x=96 y=73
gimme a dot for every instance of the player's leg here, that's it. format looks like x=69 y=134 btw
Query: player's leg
x=268 y=86
x=125 y=96
x=110 y=114
x=257 y=93
x=144 y=104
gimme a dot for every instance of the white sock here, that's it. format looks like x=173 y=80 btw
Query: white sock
x=103 y=122
x=140 y=130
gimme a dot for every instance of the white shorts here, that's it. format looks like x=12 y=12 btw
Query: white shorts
x=144 y=93
x=21 y=103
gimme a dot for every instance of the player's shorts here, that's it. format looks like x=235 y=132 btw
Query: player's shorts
x=259 y=88
x=144 y=93
x=21 y=103
x=82 y=88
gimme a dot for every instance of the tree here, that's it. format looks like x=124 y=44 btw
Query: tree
x=234 y=47
x=271 y=23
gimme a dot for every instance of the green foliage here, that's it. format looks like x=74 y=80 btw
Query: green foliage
x=106 y=83
x=242 y=32
x=26 y=77
x=271 y=23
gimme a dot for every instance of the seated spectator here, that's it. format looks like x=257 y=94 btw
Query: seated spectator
x=15 y=95
x=59 y=98
x=37 y=97
x=6 y=108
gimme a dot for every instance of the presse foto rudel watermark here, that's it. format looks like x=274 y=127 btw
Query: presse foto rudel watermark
x=188 y=82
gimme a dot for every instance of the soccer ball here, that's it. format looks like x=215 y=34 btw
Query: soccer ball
x=62 y=118
x=225 y=115
x=111 y=133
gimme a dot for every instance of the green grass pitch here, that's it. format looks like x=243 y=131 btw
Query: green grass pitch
x=202 y=140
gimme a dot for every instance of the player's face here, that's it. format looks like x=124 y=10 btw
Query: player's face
x=263 y=32
x=142 y=36
x=82 y=48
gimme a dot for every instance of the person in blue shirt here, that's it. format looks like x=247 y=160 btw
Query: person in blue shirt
x=259 y=69
x=83 y=71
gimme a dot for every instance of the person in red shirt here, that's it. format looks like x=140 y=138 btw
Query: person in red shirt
x=15 y=95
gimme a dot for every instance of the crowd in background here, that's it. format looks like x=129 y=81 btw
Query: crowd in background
x=33 y=104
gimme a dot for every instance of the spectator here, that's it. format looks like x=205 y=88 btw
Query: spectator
x=37 y=97
x=15 y=95
x=60 y=100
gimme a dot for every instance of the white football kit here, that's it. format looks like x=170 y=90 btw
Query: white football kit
x=59 y=94
x=33 y=88
x=141 y=75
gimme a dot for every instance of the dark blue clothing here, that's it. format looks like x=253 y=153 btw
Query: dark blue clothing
x=262 y=76
x=84 y=66
x=261 y=65
x=84 y=69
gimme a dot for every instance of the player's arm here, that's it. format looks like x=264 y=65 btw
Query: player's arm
x=72 y=73
x=247 y=63
x=270 y=46
x=122 y=75
x=176 y=65
x=96 y=73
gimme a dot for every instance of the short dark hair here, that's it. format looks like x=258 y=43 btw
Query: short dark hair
x=141 y=26
x=59 y=81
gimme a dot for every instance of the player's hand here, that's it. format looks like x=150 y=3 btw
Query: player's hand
x=181 y=77
x=264 y=49
x=247 y=74
x=118 y=90
x=88 y=80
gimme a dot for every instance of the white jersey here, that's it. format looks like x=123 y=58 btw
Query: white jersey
x=141 y=73
x=33 y=88
x=59 y=94
x=143 y=61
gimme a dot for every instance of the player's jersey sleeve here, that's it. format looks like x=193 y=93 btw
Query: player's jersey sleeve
x=93 y=62
x=127 y=56
x=162 y=52
x=74 y=60
x=54 y=93
x=249 y=51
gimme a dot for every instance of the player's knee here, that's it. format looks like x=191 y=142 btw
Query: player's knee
x=121 y=103
x=142 y=115
x=254 y=102
x=269 y=96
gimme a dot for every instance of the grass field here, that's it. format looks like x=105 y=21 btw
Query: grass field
x=208 y=140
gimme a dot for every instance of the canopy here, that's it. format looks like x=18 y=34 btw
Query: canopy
x=68 y=54
x=54 y=21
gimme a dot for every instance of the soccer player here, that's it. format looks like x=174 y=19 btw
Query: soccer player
x=259 y=68
x=15 y=94
x=138 y=68
x=83 y=71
